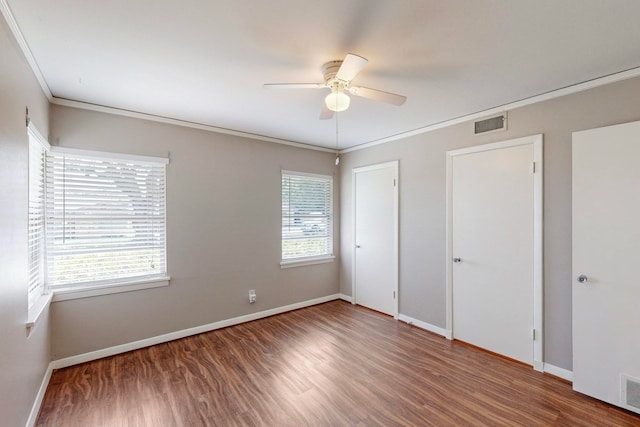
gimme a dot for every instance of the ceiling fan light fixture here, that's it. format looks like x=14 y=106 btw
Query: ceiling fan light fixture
x=337 y=101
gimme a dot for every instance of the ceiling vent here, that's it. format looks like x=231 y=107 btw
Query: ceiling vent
x=491 y=124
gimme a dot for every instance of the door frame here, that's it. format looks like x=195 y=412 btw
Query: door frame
x=538 y=303
x=394 y=165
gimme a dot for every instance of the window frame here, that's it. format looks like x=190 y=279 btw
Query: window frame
x=313 y=259
x=122 y=284
x=37 y=298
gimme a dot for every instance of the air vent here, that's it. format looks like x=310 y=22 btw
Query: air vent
x=631 y=393
x=491 y=124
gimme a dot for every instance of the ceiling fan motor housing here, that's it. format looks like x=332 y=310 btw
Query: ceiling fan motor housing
x=337 y=78
x=329 y=71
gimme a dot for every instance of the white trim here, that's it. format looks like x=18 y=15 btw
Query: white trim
x=538 y=366
x=107 y=289
x=183 y=123
x=123 y=348
x=17 y=34
x=569 y=90
x=579 y=87
x=312 y=175
x=538 y=251
x=33 y=131
x=538 y=301
x=395 y=165
x=558 y=372
x=108 y=155
x=301 y=262
x=38 y=307
x=494 y=146
x=35 y=408
x=346 y=298
x=86 y=357
x=423 y=325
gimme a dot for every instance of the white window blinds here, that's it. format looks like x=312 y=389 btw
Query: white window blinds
x=36 y=230
x=307 y=211
x=105 y=219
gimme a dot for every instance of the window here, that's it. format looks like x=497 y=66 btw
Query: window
x=36 y=229
x=307 y=213
x=105 y=219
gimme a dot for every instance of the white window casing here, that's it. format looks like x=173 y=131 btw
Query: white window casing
x=105 y=219
x=38 y=147
x=307 y=218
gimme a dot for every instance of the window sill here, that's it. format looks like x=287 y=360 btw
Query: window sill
x=300 y=262
x=128 y=286
x=36 y=310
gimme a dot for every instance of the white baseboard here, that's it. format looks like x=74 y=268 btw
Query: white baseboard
x=423 y=325
x=35 y=409
x=123 y=348
x=558 y=372
x=346 y=298
x=538 y=366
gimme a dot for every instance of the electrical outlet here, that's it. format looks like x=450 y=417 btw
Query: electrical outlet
x=252 y=296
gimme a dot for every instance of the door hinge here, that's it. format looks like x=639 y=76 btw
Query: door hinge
x=27 y=119
x=394 y=182
x=533 y=334
x=534 y=167
x=394 y=294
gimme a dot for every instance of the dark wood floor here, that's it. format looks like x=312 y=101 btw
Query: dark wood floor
x=333 y=364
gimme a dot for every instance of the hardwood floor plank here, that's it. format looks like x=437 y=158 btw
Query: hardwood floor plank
x=333 y=364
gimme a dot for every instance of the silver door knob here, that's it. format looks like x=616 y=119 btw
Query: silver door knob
x=582 y=278
x=457 y=260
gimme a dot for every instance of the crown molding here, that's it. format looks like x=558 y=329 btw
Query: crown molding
x=183 y=123
x=568 y=90
x=13 y=25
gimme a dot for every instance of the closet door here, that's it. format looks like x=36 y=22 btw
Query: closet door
x=492 y=248
x=606 y=255
x=376 y=237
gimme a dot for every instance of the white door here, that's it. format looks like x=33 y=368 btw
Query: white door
x=606 y=250
x=375 y=237
x=492 y=248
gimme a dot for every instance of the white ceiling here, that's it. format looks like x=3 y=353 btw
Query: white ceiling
x=205 y=61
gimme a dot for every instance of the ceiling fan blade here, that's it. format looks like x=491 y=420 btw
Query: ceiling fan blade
x=378 y=95
x=325 y=114
x=294 y=85
x=350 y=67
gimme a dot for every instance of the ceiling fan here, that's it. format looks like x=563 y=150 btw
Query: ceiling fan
x=337 y=77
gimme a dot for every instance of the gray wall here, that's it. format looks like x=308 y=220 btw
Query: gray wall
x=23 y=359
x=223 y=223
x=423 y=202
x=223 y=232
